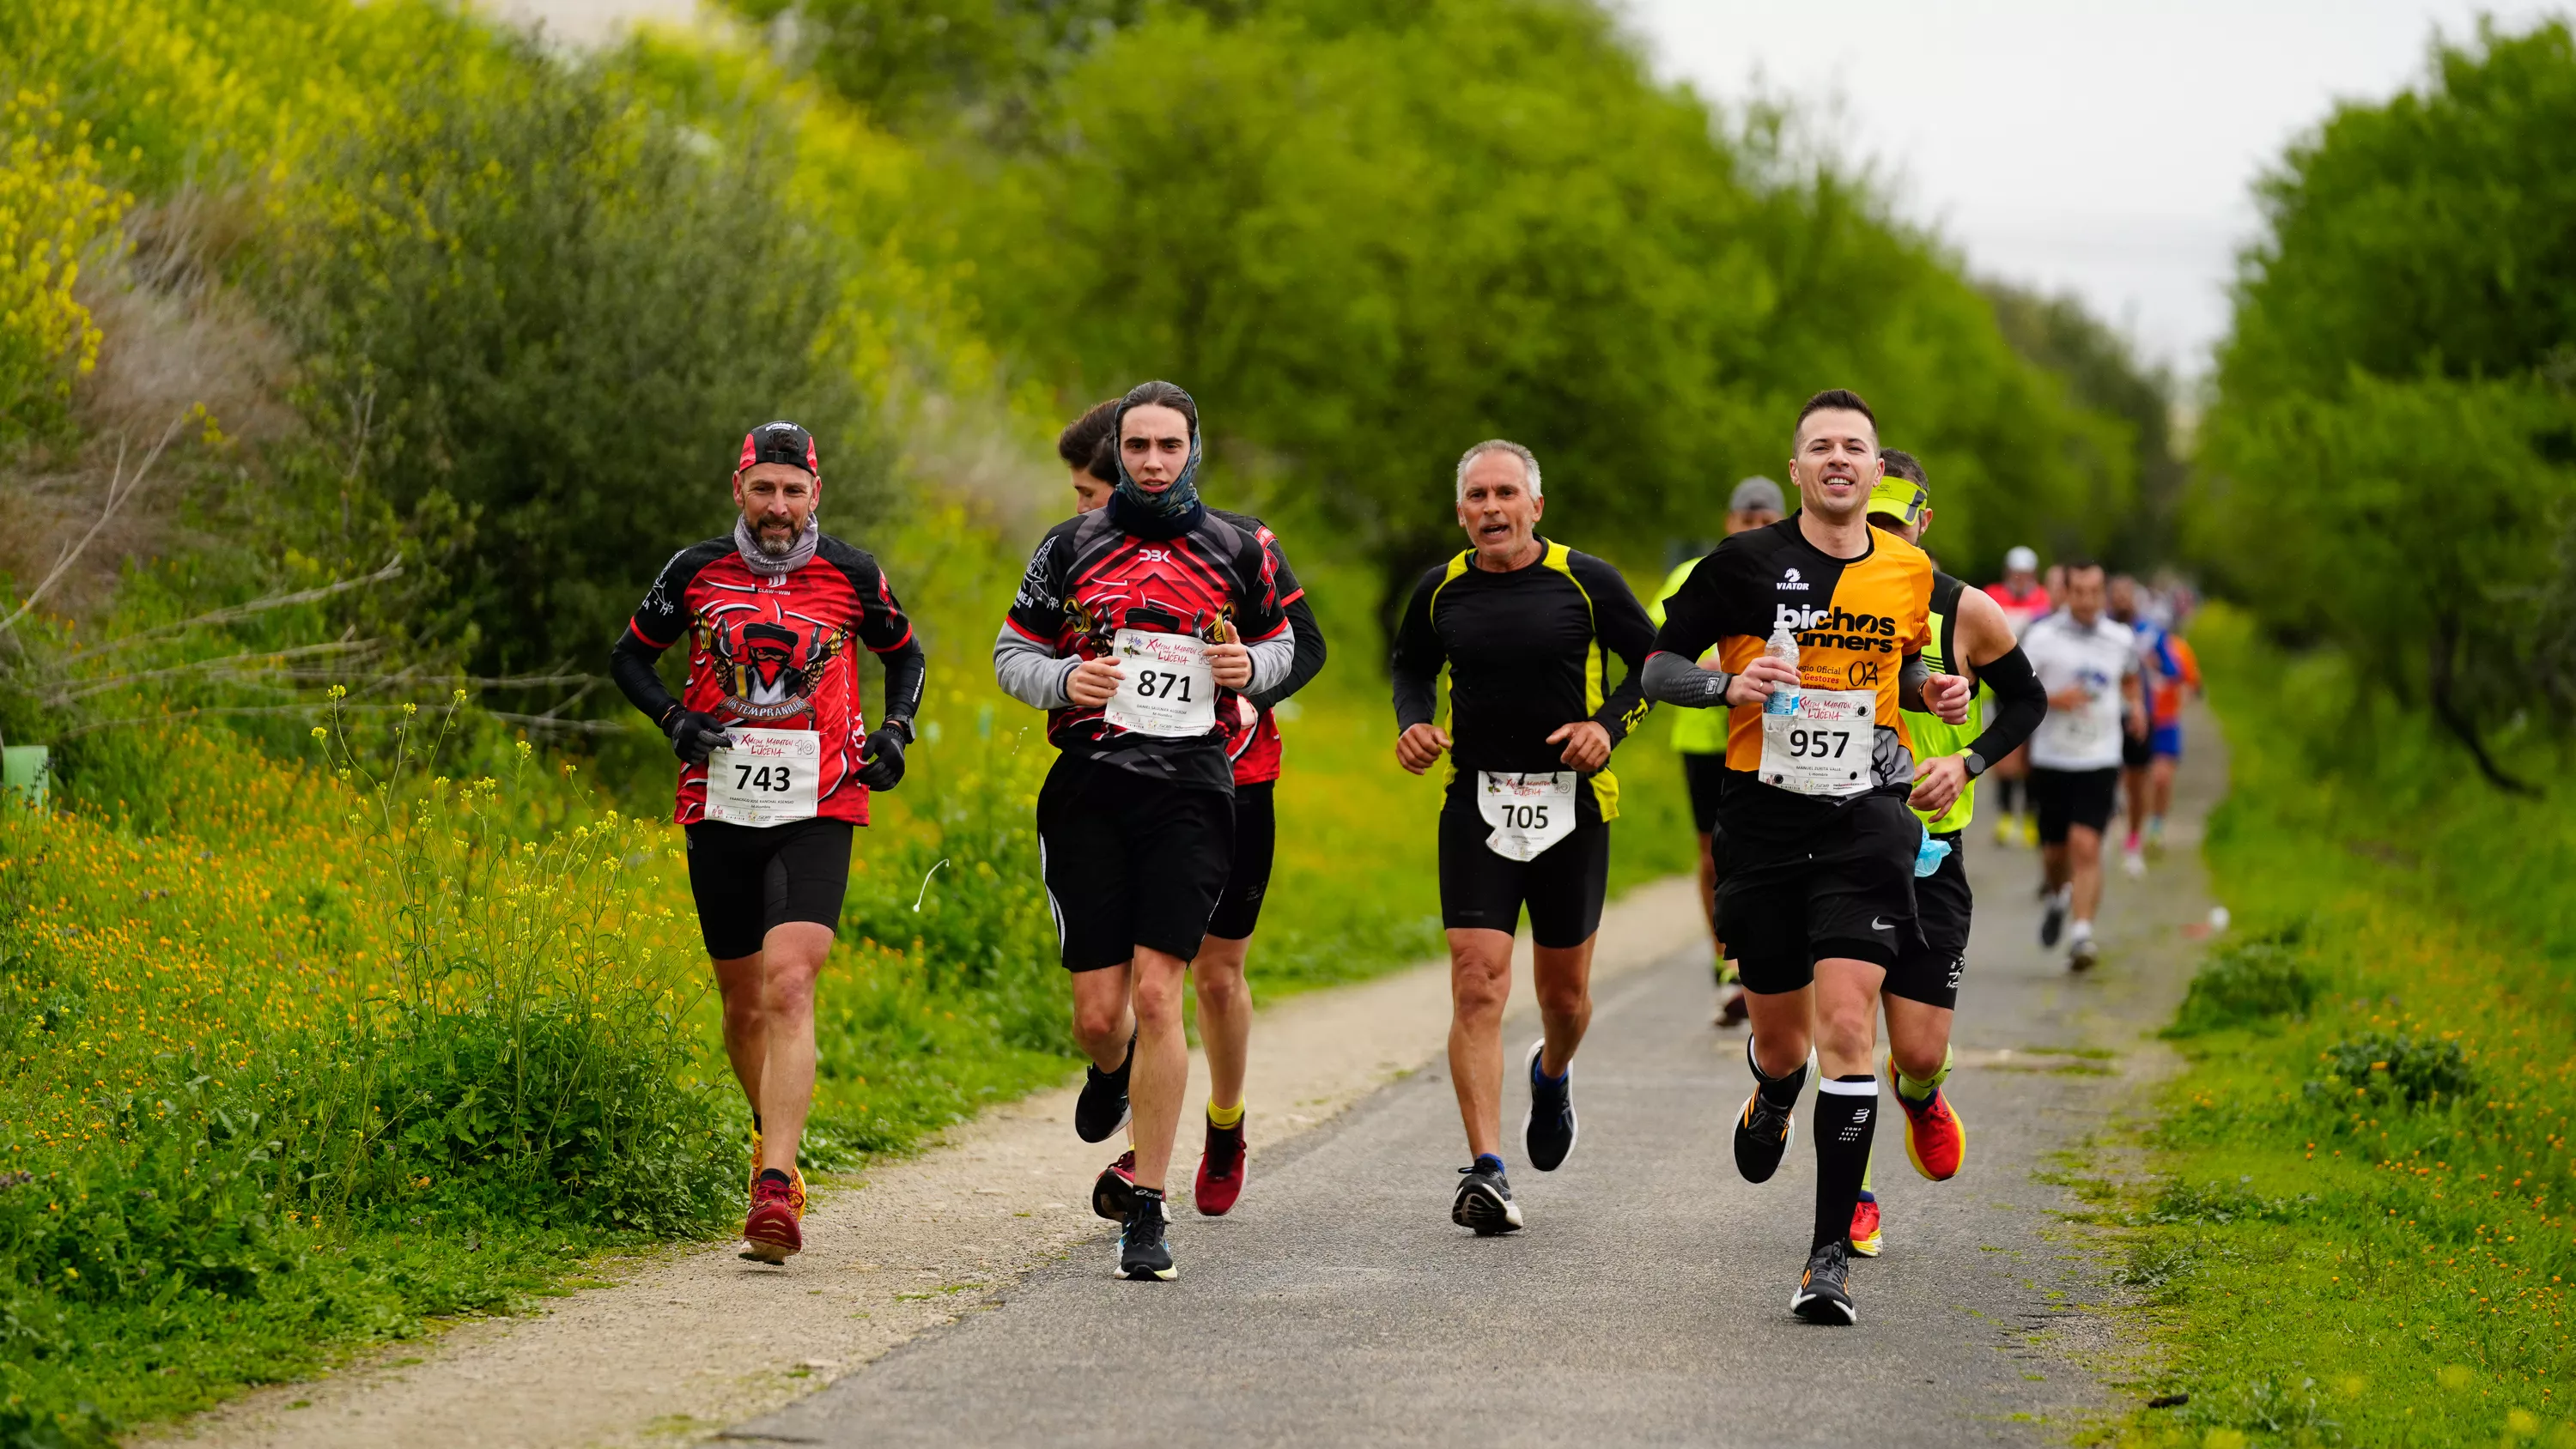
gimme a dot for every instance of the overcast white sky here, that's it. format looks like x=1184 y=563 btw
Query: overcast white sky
x=2076 y=145
x=2107 y=149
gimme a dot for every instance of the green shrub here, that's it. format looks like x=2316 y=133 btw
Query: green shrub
x=2395 y=1067
x=2249 y=983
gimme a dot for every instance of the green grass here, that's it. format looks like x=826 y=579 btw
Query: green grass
x=2361 y=1233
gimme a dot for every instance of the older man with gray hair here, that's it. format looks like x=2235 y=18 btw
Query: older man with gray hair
x=1525 y=628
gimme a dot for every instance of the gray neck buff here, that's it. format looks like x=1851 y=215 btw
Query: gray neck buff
x=746 y=543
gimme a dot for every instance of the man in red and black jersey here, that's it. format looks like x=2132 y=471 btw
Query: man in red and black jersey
x=776 y=762
x=1136 y=628
x=1224 y=998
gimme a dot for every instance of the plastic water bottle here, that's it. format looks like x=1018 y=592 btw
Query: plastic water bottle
x=1783 y=647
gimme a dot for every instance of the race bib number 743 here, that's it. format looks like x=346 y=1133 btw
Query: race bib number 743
x=767 y=777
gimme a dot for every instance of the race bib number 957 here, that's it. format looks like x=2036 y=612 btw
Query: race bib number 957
x=1823 y=748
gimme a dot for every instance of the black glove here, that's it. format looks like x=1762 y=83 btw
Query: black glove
x=695 y=735
x=881 y=757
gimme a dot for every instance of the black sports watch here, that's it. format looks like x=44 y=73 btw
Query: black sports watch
x=1976 y=763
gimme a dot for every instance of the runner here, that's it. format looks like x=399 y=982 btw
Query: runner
x=1699 y=737
x=1129 y=630
x=1225 y=1000
x=1922 y=993
x=1818 y=893
x=2147 y=761
x=2089 y=665
x=1526 y=627
x=2024 y=601
x=776 y=763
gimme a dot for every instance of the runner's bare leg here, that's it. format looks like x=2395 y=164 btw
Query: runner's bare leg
x=1101 y=1022
x=1225 y=1015
x=1562 y=976
x=1162 y=1073
x=769 y=1031
x=1480 y=986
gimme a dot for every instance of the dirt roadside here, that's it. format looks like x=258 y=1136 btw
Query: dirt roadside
x=682 y=1346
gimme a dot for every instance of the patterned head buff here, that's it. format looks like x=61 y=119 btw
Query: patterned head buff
x=1178 y=504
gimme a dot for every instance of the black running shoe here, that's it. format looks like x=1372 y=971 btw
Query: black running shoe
x=2052 y=920
x=1102 y=1107
x=1824 y=1290
x=1143 y=1255
x=1763 y=1132
x=1485 y=1202
x=1548 y=1131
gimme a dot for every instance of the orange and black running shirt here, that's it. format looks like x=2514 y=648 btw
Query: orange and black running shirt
x=1089 y=579
x=774 y=652
x=1856 y=621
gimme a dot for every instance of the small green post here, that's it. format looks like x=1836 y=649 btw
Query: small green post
x=24 y=772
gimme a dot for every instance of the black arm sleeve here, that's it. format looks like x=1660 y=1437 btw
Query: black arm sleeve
x=905 y=672
x=630 y=663
x=1417 y=658
x=1310 y=657
x=2020 y=704
x=1624 y=628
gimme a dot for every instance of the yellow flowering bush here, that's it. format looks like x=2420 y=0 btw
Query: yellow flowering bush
x=54 y=209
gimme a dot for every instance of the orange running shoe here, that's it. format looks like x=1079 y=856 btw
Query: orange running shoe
x=1866 y=1236
x=1934 y=1136
x=770 y=1234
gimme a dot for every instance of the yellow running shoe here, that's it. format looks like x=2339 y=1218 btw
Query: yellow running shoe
x=2005 y=839
x=2030 y=832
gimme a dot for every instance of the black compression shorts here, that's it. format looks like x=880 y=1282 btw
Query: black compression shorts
x=750 y=879
x=1928 y=970
x=1256 y=842
x=1482 y=891
x=1703 y=776
x=1847 y=890
x=2136 y=751
x=2068 y=798
x=1129 y=861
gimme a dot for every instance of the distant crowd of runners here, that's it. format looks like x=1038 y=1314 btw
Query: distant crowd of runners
x=1839 y=698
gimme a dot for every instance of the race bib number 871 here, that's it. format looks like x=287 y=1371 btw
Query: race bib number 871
x=1166 y=687
x=767 y=777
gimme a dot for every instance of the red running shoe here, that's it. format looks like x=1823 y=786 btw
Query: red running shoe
x=1113 y=1192
x=1220 y=1179
x=1866 y=1237
x=770 y=1234
x=1934 y=1136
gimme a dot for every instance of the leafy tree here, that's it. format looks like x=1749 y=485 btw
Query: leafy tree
x=2388 y=458
x=2102 y=371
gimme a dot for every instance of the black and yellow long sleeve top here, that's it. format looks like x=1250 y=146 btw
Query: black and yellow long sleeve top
x=1528 y=652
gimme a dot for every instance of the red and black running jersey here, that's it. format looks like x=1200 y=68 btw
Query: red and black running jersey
x=773 y=651
x=1258 y=751
x=1089 y=579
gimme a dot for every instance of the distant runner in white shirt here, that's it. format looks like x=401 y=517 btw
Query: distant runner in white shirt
x=2088 y=663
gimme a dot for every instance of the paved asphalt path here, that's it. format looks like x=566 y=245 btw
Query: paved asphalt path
x=1646 y=1303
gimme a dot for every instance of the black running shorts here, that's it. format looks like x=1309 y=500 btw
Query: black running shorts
x=2067 y=798
x=1256 y=841
x=1129 y=861
x=2136 y=751
x=1847 y=890
x=1928 y=970
x=750 y=879
x=1482 y=891
x=1703 y=775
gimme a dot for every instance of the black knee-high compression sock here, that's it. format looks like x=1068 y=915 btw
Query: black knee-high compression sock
x=2011 y=790
x=1846 y=1116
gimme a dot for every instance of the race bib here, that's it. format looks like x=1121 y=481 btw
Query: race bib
x=1168 y=688
x=1529 y=812
x=767 y=777
x=1823 y=747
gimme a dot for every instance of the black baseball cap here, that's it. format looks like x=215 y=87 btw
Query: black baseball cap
x=779 y=442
